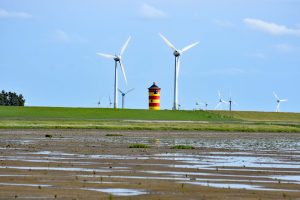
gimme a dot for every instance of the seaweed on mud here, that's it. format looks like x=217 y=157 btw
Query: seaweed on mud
x=182 y=147
x=138 y=146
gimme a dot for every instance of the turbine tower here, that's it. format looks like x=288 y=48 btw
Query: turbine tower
x=231 y=102
x=99 y=102
x=197 y=105
x=123 y=96
x=278 y=101
x=176 y=53
x=117 y=59
x=221 y=101
x=110 y=103
x=203 y=103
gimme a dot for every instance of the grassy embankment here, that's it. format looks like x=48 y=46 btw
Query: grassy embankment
x=130 y=119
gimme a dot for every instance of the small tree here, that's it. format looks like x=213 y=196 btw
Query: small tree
x=11 y=99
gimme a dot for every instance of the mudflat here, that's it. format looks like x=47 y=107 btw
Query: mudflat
x=98 y=164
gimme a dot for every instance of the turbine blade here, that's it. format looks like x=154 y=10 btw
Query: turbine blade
x=167 y=42
x=125 y=46
x=217 y=106
x=219 y=94
x=224 y=101
x=129 y=91
x=120 y=91
x=123 y=71
x=282 y=100
x=189 y=47
x=106 y=55
x=275 y=95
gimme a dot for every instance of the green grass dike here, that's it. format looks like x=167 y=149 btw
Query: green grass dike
x=138 y=119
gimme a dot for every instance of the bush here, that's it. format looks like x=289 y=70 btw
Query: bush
x=138 y=146
x=48 y=136
x=182 y=147
x=113 y=135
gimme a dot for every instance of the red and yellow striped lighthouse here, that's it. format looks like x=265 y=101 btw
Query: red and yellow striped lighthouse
x=154 y=97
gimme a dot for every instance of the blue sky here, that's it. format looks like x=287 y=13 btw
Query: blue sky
x=248 y=48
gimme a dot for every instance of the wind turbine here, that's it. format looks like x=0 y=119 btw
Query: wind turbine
x=110 y=103
x=176 y=53
x=117 y=59
x=203 y=103
x=231 y=103
x=99 y=102
x=278 y=101
x=197 y=105
x=123 y=95
x=221 y=101
x=206 y=104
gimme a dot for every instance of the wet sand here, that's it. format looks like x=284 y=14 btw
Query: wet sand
x=87 y=164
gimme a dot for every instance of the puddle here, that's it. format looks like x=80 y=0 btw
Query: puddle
x=14 y=175
x=20 y=141
x=25 y=184
x=49 y=197
x=105 y=182
x=51 y=155
x=278 y=143
x=234 y=180
x=204 y=174
x=54 y=153
x=289 y=178
x=179 y=173
x=236 y=186
x=59 y=169
x=118 y=191
x=138 y=177
x=214 y=161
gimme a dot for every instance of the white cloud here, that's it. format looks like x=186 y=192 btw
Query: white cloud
x=150 y=12
x=270 y=27
x=15 y=15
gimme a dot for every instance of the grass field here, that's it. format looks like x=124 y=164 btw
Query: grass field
x=54 y=113
x=132 y=119
x=262 y=116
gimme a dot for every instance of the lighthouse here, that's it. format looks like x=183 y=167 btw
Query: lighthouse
x=154 y=97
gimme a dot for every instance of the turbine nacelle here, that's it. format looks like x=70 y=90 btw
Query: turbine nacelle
x=176 y=53
x=117 y=58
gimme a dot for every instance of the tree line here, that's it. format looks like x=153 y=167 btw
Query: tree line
x=11 y=99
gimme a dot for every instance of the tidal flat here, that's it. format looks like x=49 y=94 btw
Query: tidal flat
x=98 y=164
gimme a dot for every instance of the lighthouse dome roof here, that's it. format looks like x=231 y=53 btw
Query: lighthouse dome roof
x=154 y=86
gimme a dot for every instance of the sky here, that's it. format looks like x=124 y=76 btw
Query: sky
x=247 y=49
